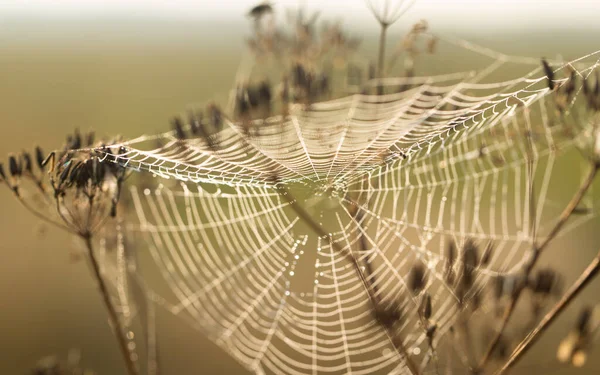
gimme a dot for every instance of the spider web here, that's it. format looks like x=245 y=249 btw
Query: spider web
x=392 y=178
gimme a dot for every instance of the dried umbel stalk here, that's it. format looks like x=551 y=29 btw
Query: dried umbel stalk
x=304 y=57
x=544 y=283
x=203 y=124
x=76 y=189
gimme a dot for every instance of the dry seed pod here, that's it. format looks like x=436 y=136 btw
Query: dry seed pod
x=470 y=254
x=450 y=259
x=264 y=93
x=499 y=286
x=549 y=74
x=193 y=122
x=216 y=117
x=253 y=96
x=2 y=174
x=178 y=127
x=260 y=10
x=90 y=138
x=39 y=157
x=569 y=86
x=388 y=316
x=430 y=331
x=487 y=254
x=417 y=278
x=27 y=165
x=242 y=106
x=544 y=281
x=14 y=167
x=426 y=308
x=583 y=322
x=470 y=262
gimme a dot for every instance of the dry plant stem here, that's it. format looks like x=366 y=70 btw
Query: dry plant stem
x=112 y=313
x=562 y=220
x=586 y=277
x=362 y=242
x=307 y=218
x=362 y=246
x=569 y=209
x=381 y=58
x=42 y=217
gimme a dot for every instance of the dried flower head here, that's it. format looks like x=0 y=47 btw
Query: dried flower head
x=79 y=189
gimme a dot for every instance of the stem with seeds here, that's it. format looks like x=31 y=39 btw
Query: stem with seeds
x=307 y=218
x=537 y=250
x=586 y=277
x=112 y=313
x=372 y=287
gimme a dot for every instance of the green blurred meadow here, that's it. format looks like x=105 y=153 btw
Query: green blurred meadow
x=129 y=77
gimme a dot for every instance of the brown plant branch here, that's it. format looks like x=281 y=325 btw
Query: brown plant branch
x=537 y=250
x=307 y=218
x=381 y=55
x=112 y=313
x=586 y=277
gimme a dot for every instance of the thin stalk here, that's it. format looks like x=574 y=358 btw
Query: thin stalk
x=42 y=217
x=362 y=243
x=571 y=206
x=586 y=277
x=307 y=218
x=112 y=313
x=381 y=56
x=537 y=250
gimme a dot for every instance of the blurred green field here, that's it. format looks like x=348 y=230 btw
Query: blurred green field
x=130 y=77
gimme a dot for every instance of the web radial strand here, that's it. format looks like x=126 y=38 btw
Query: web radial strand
x=391 y=178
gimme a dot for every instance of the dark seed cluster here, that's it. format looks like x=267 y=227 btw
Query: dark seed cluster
x=80 y=183
x=200 y=124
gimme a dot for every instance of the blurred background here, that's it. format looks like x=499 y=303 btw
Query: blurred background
x=126 y=67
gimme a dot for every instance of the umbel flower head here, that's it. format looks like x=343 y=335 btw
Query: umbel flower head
x=76 y=188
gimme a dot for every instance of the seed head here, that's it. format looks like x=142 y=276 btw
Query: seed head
x=549 y=73
x=450 y=259
x=178 y=127
x=253 y=96
x=264 y=93
x=14 y=167
x=544 y=282
x=242 y=107
x=418 y=278
x=216 y=117
x=583 y=322
x=499 y=286
x=90 y=138
x=426 y=306
x=39 y=157
x=470 y=261
x=389 y=315
x=27 y=165
x=2 y=174
x=260 y=10
x=194 y=122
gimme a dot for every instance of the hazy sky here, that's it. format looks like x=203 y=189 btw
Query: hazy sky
x=459 y=13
